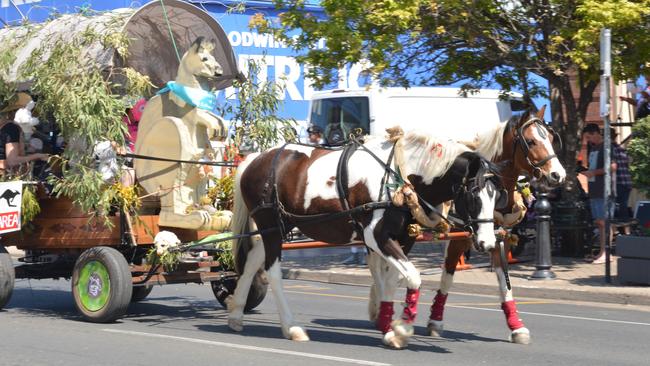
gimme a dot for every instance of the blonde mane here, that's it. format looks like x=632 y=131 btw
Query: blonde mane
x=424 y=155
x=490 y=143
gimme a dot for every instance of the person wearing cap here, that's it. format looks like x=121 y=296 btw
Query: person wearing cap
x=595 y=174
x=12 y=144
x=315 y=135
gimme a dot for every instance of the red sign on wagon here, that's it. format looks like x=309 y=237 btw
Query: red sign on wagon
x=10 y=203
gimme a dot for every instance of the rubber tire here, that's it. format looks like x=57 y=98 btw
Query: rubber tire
x=140 y=293
x=120 y=284
x=7 y=277
x=223 y=289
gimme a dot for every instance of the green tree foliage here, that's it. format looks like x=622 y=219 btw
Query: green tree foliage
x=476 y=43
x=639 y=151
x=256 y=111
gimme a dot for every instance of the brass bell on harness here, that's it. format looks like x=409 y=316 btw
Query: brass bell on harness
x=414 y=230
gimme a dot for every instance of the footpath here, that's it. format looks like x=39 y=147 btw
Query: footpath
x=576 y=279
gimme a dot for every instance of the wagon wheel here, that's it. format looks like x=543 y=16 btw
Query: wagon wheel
x=7 y=275
x=101 y=284
x=226 y=287
x=140 y=293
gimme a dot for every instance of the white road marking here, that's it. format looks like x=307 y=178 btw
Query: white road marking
x=554 y=315
x=249 y=348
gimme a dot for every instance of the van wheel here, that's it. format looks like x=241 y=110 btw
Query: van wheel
x=101 y=284
x=7 y=277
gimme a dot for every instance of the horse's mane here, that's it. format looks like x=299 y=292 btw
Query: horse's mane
x=425 y=155
x=490 y=143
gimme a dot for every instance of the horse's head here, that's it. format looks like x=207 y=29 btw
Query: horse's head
x=479 y=194
x=533 y=149
x=199 y=61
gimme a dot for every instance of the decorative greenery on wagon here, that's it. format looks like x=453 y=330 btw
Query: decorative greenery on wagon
x=87 y=103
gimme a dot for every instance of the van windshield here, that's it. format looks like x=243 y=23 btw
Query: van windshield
x=339 y=117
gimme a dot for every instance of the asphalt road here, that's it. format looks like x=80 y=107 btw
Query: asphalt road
x=184 y=325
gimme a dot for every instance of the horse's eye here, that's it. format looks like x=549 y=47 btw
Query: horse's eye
x=204 y=59
x=530 y=142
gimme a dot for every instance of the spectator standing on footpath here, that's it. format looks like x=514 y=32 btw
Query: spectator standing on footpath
x=595 y=174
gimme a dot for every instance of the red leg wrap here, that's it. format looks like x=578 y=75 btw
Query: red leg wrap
x=438 y=307
x=411 y=305
x=385 y=316
x=512 y=317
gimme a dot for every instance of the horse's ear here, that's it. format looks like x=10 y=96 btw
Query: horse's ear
x=540 y=112
x=524 y=117
x=197 y=44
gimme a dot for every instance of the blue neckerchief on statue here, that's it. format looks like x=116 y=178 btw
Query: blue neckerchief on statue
x=195 y=97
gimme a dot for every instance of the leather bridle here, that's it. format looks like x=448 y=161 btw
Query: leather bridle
x=520 y=140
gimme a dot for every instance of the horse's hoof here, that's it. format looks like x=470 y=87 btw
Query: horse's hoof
x=435 y=328
x=390 y=340
x=401 y=328
x=298 y=334
x=520 y=336
x=236 y=325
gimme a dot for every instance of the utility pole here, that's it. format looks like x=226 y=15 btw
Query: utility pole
x=605 y=107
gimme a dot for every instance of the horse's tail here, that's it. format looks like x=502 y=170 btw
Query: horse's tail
x=239 y=223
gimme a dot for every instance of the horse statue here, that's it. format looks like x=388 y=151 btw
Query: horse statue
x=523 y=144
x=316 y=189
x=177 y=124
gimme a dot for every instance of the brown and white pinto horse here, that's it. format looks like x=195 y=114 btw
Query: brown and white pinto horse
x=280 y=189
x=522 y=145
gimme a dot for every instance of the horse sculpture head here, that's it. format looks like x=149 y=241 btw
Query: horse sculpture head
x=533 y=148
x=199 y=61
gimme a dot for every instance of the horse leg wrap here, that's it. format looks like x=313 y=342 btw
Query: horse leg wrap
x=438 y=307
x=512 y=317
x=411 y=305
x=385 y=316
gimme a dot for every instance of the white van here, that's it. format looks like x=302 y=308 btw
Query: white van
x=438 y=110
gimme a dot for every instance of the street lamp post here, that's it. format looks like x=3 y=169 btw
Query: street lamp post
x=543 y=240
